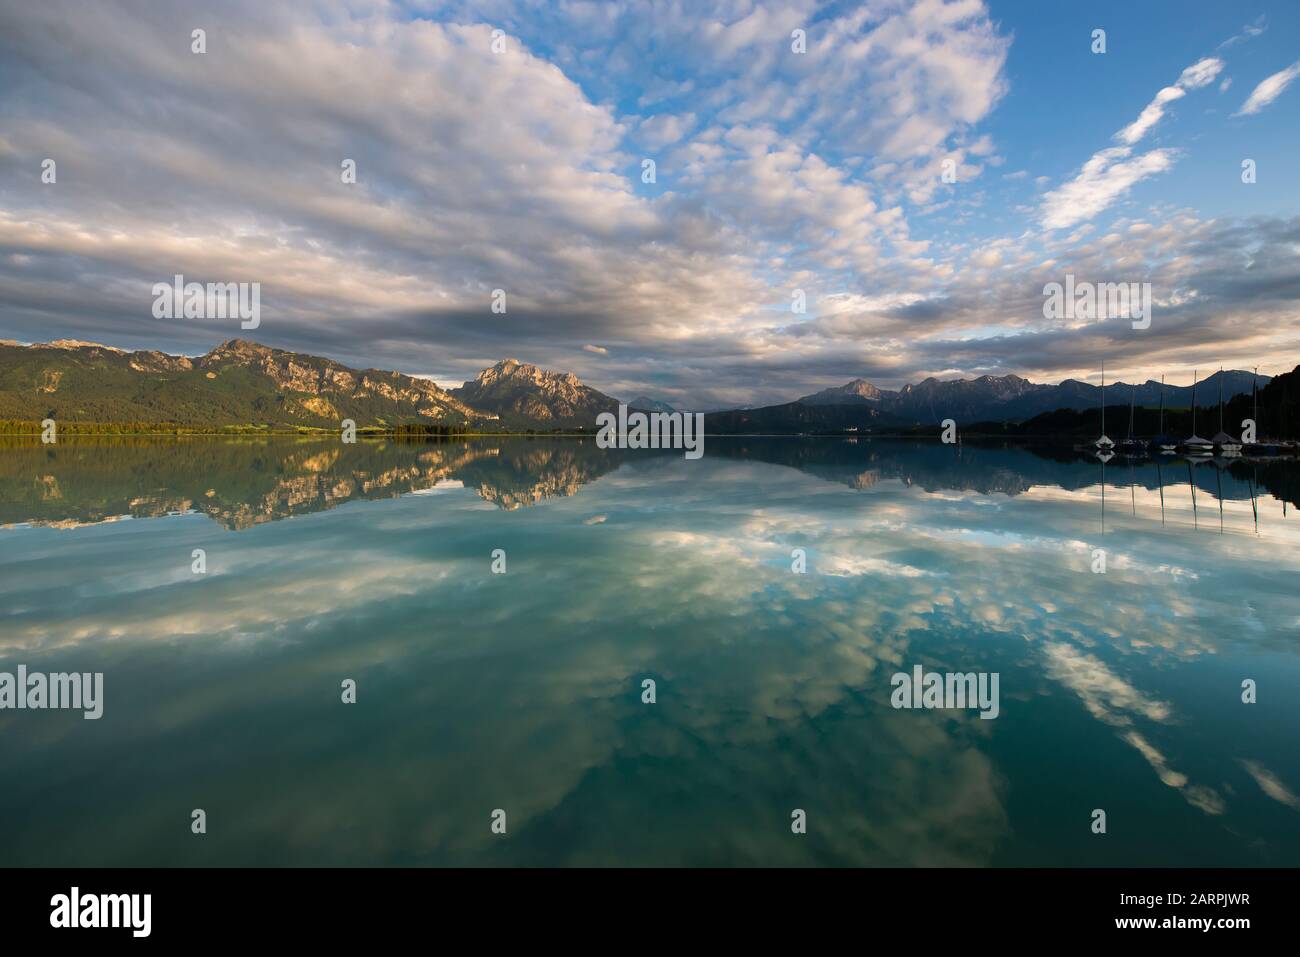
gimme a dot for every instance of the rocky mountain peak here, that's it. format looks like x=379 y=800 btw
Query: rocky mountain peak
x=526 y=395
x=77 y=344
x=240 y=347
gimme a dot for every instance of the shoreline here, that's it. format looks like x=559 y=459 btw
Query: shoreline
x=1065 y=443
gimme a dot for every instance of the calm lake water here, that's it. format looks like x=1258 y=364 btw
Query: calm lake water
x=523 y=691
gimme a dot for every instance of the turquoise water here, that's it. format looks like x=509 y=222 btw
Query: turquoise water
x=522 y=691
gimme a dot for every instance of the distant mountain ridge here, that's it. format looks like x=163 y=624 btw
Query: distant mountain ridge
x=1012 y=398
x=645 y=404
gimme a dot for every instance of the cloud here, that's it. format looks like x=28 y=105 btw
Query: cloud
x=1109 y=174
x=1115 y=702
x=464 y=183
x=1268 y=90
x=1201 y=73
x=488 y=171
x=1106 y=177
x=665 y=129
x=1248 y=32
x=521 y=171
x=1149 y=116
x=1106 y=695
x=1268 y=783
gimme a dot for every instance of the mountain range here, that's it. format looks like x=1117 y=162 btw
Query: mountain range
x=242 y=383
x=237 y=383
x=861 y=406
x=1011 y=398
x=645 y=404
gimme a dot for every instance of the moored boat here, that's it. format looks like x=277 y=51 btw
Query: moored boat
x=1194 y=445
x=1262 y=447
x=1162 y=443
x=1104 y=444
x=1227 y=446
x=1131 y=444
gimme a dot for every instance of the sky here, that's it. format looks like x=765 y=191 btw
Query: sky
x=516 y=161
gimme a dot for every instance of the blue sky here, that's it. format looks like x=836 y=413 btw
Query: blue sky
x=518 y=167
x=1148 y=45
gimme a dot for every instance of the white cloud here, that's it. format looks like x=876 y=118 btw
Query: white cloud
x=1248 y=32
x=478 y=171
x=1109 y=174
x=665 y=129
x=1269 y=89
x=1149 y=116
x=1106 y=177
x=1201 y=73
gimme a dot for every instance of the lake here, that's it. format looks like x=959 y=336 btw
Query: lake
x=770 y=591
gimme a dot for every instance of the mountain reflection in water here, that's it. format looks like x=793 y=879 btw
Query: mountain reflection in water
x=243 y=482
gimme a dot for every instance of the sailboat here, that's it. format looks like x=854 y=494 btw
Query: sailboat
x=1104 y=444
x=1195 y=445
x=1131 y=445
x=1227 y=445
x=1162 y=443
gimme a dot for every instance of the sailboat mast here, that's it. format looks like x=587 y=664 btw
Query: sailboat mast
x=1103 y=399
x=1193 y=402
x=1162 y=405
x=1132 y=399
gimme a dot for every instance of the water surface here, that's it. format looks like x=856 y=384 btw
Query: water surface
x=523 y=691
